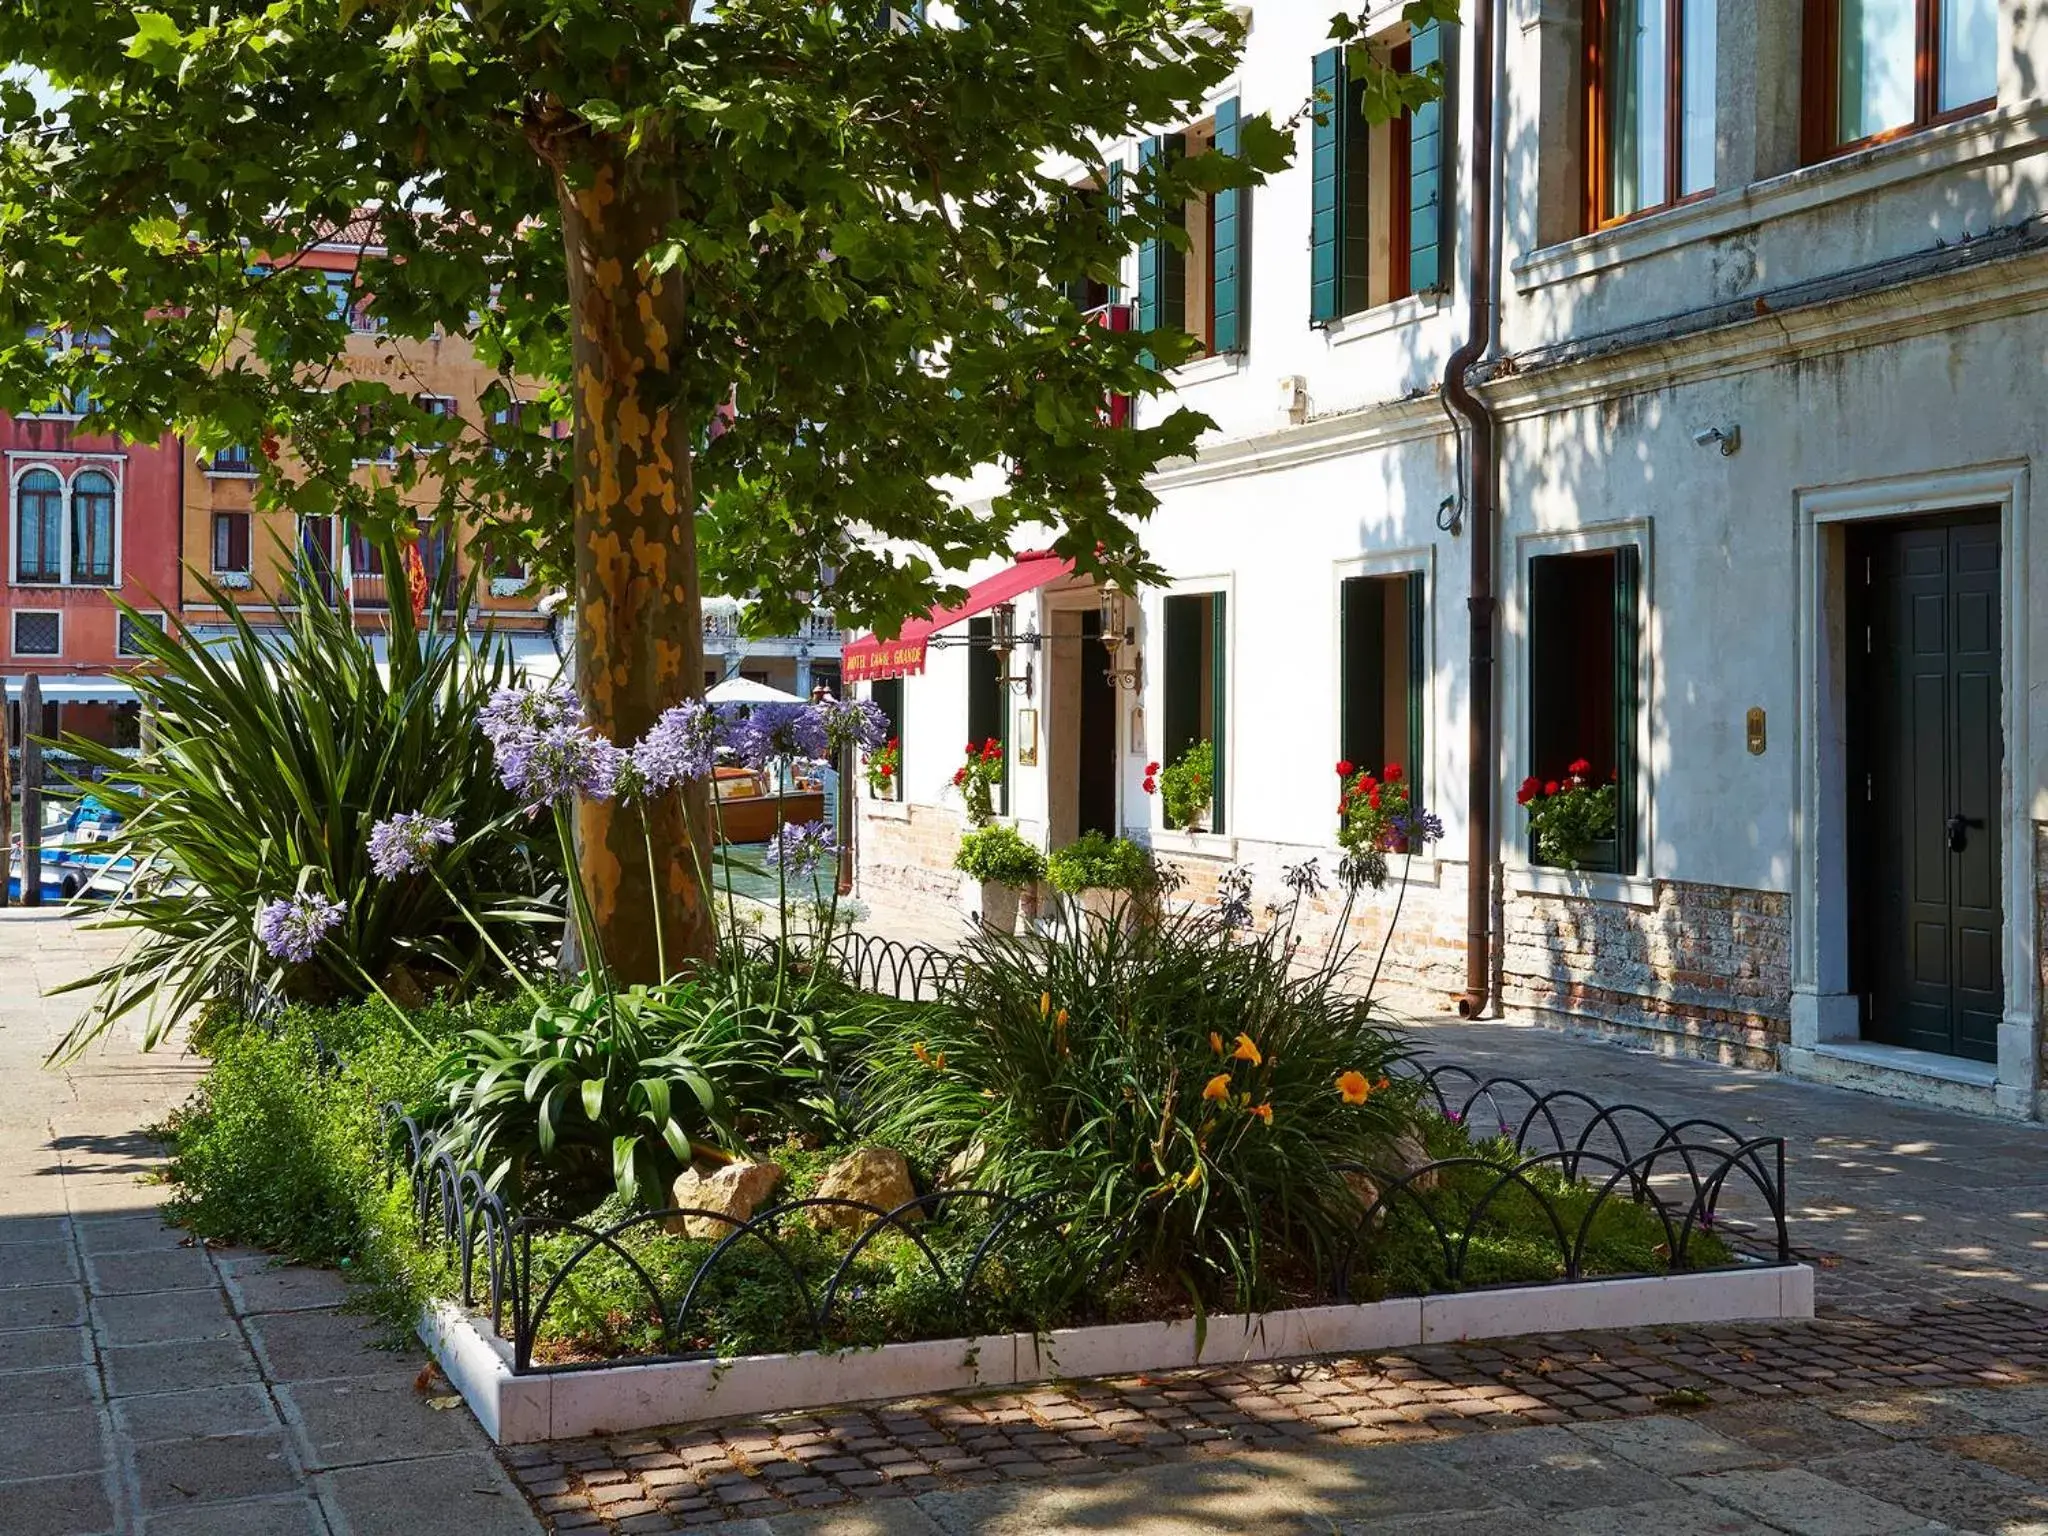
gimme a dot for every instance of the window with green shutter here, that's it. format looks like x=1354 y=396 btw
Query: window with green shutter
x=1200 y=285
x=1377 y=192
x=1195 y=684
x=1428 y=169
x=1381 y=676
x=1584 y=682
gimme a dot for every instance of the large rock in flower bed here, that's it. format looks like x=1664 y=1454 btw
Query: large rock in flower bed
x=876 y=1176
x=734 y=1191
x=1405 y=1153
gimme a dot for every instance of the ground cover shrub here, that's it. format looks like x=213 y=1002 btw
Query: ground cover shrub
x=285 y=1145
x=1515 y=1231
x=274 y=757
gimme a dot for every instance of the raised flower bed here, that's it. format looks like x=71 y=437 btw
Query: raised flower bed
x=1546 y=1212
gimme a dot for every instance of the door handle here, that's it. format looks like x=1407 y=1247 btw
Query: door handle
x=1958 y=831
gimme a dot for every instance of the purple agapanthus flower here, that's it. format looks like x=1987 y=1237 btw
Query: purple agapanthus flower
x=404 y=844
x=681 y=748
x=771 y=731
x=557 y=763
x=800 y=847
x=524 y=711
x=856 y=723
x=292 y=929
x=1419 y=827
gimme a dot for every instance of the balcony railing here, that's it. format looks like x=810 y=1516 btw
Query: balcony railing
x=723 y=623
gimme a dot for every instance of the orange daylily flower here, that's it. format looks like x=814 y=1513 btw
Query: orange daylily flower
x=921 y=1053
x=1246 y=1051
x=1353 y=1087
x=1264 y=1112
x=1215 y=1042
x=1044 y=1004
x=1219 y=1087
x=1060 y=1019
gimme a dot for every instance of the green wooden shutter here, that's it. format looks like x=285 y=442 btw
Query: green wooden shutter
x=1418 y=681
x=1362 y=670
x=1162 y=265
x=1149 y=275
x=1232 y=291
x=1627 y=696
x=1182 y=725
x=1428 y=169
x=1219 y=691
x=1326 y=218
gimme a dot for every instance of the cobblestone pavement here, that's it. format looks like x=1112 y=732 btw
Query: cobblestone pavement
x=150 y=1385
x=1737 y=1428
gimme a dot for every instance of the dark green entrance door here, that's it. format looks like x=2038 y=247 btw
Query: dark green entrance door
x=1927 y=753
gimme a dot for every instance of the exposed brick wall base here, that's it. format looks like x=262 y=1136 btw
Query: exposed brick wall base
x=1706 y=970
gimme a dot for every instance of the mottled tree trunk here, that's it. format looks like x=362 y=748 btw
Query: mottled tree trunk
x=639 y=624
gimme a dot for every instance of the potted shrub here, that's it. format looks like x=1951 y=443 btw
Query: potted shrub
x=1187 y=786
x=1107 y=877
x=1004 y=865
x=1570 y=817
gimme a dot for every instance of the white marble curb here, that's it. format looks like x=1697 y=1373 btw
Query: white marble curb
x=521 y=1410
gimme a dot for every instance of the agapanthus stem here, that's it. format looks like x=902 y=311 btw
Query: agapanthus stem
x=484 y=933
x=653 y=888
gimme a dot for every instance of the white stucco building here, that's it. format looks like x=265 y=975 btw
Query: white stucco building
x=1771 y=546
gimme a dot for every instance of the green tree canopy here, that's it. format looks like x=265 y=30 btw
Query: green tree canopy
x=856 y=231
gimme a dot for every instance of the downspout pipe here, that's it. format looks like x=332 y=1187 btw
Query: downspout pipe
x=1482 y=515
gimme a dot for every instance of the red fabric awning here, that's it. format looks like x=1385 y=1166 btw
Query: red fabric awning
x=869 y=658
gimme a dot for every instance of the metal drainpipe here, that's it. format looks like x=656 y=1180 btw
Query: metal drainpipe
x=1483 y=504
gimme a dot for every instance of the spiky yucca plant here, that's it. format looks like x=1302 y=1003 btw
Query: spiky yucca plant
x=272 y=756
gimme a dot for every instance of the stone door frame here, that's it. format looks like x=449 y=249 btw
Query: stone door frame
x=1826 y=1020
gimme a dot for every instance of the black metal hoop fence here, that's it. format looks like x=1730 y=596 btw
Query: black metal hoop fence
x=1564 y=1143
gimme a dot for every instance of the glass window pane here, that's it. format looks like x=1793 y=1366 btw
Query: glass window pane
x=1874 y=72
x=1696 y=79
x=1969 y=52
x=1638 y=51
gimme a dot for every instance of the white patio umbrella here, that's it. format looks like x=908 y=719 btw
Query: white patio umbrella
x=743 y=690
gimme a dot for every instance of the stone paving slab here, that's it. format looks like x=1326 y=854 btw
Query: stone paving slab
x=137 y=1394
